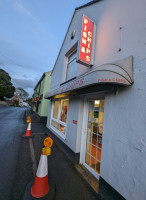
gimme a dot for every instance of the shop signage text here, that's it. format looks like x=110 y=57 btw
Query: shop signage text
x=86 y=43
x=75 y=121
x=68 y=87
x=113 y=80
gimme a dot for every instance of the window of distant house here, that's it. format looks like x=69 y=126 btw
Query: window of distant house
x=59 y=115
x=71 y=66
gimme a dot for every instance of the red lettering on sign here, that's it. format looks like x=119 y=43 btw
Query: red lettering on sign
x=85 y=54
x=81 y=82
x=107 y=80
x=75 y=121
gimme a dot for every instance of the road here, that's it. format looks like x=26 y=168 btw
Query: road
x=12 y=126
x=16 y=163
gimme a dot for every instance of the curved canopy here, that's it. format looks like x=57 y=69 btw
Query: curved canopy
x=118 y=73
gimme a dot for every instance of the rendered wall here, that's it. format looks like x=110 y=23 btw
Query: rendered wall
x=121 y=32
x=41 y=89
x=123 y=163
x=40 y=92
x=46 y=88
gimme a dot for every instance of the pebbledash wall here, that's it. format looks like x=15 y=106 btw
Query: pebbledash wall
x=120 y=33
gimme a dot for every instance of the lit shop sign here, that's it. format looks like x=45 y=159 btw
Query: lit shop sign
x=86 y=43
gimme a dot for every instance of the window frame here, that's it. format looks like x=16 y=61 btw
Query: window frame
x=69 y=62
x=63 y=135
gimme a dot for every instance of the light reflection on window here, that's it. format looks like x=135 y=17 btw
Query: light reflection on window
x=59 y=116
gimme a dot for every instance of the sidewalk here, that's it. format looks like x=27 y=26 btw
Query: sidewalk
x=65 y=181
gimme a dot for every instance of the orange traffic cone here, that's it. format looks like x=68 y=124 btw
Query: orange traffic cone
x=28 y=131
x=41 y=187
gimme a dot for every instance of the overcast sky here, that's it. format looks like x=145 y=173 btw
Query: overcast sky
x=31 y=34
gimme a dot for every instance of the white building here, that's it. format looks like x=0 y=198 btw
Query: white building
x=98 y=95
x=22 y=94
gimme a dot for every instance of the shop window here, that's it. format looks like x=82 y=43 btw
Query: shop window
x=71 y=66
x=55 y=111
x=59 y=115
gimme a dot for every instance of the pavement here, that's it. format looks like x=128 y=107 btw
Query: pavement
x=65 y=182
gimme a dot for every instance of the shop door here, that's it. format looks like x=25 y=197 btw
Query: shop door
x=93 y=136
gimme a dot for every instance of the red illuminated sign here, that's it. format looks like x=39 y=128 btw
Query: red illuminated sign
x=86 y=43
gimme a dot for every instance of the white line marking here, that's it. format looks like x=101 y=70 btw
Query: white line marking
x=34 y=166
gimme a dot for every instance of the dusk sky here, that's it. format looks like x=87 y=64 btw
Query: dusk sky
x=31 y=34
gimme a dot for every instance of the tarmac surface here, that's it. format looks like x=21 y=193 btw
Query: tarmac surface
x=64 y=180
x=12 y=127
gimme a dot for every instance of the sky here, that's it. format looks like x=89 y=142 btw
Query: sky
x=31 y=35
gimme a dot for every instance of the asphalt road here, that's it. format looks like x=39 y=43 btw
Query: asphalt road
x=16 y=164
x=12 y=126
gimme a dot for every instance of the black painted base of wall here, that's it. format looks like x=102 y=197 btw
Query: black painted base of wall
x=108 y=192
x=41 y=119
x=74 y=157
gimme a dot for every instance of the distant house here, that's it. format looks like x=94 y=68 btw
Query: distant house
x=14 y=101
x=98 y=95
x=21 y=93
x=19 y=97
x=40 y=105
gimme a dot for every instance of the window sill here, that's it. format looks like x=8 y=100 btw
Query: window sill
x=63 y=136
x=68 y=80
x=59 y=122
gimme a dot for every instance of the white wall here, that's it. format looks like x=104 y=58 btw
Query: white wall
x=71 y=136
x=123 y=163
x=60 y=67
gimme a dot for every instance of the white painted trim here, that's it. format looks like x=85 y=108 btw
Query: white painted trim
x=58 y=132
x=52 y=107
x=84 y=130
x=58 y=121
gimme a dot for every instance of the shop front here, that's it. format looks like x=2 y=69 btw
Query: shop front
x=97 y=96
x=87 y=95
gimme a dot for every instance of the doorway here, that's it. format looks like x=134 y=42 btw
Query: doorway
x=93 y=136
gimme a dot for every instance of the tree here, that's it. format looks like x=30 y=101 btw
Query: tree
x=6 y=87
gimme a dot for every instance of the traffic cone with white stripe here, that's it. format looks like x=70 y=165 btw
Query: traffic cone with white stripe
x=41 y=187
x=28 y=131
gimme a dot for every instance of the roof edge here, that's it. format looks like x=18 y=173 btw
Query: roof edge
x=85 y=5
x=42 y=78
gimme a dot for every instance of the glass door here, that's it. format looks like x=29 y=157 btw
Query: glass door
x=93 y=144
